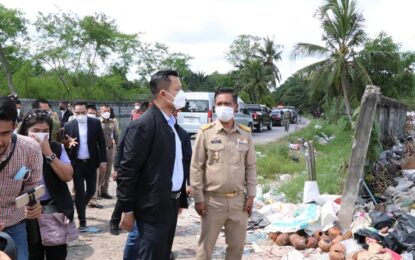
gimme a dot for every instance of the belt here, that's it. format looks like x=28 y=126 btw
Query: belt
x=83 y=160
x=224 y=195
x=175 y=194
x=109 y=148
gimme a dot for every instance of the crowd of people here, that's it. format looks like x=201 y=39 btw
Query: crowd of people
x=152 y=161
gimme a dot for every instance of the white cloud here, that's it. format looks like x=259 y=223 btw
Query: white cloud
x=204 y=29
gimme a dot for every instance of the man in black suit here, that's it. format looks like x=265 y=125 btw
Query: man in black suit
x=151 y=181
x=86 y=157
x=65 y=113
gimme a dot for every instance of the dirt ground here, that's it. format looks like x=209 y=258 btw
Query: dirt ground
x=103 y=245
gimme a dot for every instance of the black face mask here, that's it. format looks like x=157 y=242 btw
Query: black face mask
x=62 y=108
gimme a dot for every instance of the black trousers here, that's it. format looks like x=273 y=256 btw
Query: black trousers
x=116 y=214
x=156 y=239
x=84 y=172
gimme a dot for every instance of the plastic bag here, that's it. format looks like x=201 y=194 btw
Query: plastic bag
x=381 y=220
x=404 y=234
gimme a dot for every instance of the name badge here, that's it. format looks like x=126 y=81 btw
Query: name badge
x=216 y=141
x=242 y=141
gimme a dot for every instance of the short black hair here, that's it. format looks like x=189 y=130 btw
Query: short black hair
x=91 y=106
x=158 y=80
x=18 y=102
x=8 y=111
x=36 y=103
x=227 y=91
x=80 y=103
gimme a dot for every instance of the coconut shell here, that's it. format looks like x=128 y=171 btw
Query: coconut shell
x=317 y=235
x=282 y=240
x=312 y=242
x=337 y=252
x=273 y=236
x=324 y=245
x=298 y=242
x=334 y=232
x=337 y=239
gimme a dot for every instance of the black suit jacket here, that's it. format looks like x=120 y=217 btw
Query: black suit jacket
x=65 y=117
x=146 y=160
x=96 y=141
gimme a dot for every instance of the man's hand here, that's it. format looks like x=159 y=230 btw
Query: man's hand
x=201 y=208
x=114 y=175
x=70 y=142
x=33 y=212
x=249 y=203
x=189 y=191
x=103 y=167
x=127 y=221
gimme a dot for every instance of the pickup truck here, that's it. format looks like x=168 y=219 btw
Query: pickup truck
x=260 y=116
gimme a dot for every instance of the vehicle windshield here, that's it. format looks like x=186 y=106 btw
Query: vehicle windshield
x=196 y=106
x=276 y=111
x=251 y=109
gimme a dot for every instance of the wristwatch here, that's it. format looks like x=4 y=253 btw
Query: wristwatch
x=50 y=158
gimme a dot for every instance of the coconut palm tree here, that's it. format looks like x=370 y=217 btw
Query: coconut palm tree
x=269 y=53
x=254 y=78
x=342 y=34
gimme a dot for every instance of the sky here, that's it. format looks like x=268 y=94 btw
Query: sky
x=204 y=29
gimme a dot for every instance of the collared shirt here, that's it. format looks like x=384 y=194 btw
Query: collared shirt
x=223 y=161
x=178 y=174
x=27 y=153
x=110 y=132
x=83 y=152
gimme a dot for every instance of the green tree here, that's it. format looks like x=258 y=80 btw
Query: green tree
x=12 y=28
x=254 y=80
x=243 y=48
x=342 y=34
x=389 y=68
x=270 y=53
x=78 y=50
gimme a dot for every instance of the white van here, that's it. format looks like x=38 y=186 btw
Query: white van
x=199 y=110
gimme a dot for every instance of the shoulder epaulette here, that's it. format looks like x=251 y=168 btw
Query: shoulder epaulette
x=207 y=126
x=244 y=127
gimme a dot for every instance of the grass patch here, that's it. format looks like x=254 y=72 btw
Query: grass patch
x=330 y=159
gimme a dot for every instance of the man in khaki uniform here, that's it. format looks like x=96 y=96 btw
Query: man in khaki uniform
x=223 y=178
x=109 y=127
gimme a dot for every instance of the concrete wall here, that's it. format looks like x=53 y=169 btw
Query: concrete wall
x=391 y=116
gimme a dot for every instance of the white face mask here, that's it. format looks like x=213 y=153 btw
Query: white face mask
x=179 y=101
x=106 y=115
x=18 y=112
x=224 y=113
x=91 y=115
x=81 y=119
x=137 y=107
x=40 y=136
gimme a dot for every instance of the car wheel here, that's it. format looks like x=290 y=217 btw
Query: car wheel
x=250 y=125
x=269 y=125
x=260 y=126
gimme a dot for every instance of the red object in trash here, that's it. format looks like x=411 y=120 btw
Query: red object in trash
x=395 y=256
x=338 y=200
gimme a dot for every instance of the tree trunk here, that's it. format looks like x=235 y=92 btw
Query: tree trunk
x=346 y=97
x=6 y=71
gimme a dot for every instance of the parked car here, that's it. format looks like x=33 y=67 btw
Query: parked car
x=260 y=115
x=200 y=110
x=276 y=116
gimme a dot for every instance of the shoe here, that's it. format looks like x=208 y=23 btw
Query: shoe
x=114 y=229
x=106 y=196
x=82 y=226
x=83 y=229
x=97 y=206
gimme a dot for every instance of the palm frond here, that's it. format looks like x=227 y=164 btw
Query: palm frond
x=308 y=49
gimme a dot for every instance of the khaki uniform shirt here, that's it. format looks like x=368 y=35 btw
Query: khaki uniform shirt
x=110 y=132
x=222 y=161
